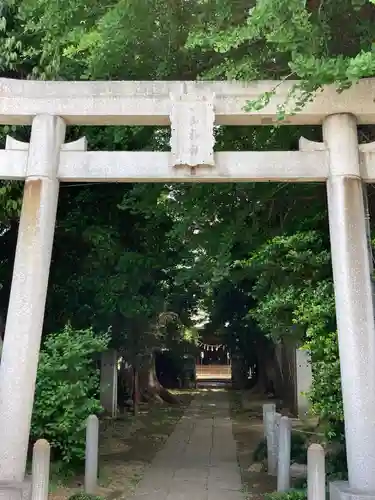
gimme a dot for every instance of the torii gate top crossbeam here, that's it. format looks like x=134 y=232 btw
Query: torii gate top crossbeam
x=149 y=103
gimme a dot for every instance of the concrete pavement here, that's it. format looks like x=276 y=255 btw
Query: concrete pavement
x=199 y=460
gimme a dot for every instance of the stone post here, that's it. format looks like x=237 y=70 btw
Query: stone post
x=28 y=295
x=354 y=300
x=316 y=475
x=277 y=428
x=271 y=443
x=267 y=407
x=108 y=382
x=283 y=462
x=40 y=474
x=304 y=381
x=92 y=454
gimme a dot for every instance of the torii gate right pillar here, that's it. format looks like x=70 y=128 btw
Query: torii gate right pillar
x=354 y=305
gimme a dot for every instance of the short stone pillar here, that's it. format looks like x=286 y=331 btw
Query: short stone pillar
x=316 y=475
x=108 y=382
x=267 y=407
x=92 y=454
x=40 y=467
x=271 y=425
x=277 y=428
x=284 y=453
x=304 y=381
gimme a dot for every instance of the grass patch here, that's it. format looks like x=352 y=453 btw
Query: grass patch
x=292 y=494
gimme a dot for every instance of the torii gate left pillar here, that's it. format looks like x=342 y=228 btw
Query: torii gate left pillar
x=28 y=296
x=25 y=317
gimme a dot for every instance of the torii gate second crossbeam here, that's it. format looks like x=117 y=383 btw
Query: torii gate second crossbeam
x=191 y=109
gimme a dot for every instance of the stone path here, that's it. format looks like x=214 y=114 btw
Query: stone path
x=199 y=460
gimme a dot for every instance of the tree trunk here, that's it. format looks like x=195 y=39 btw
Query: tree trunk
x=273 y=372
x=136 y=393
x=263 y=382
x=149 y=385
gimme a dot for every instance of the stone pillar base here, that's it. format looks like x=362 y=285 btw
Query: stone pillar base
x=12 y=490
x=340 y=490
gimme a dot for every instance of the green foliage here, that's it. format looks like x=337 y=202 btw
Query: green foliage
x=67 y=391
x=306 y=41
x=288 y=271
x=326 y=388
x=293 y=290
x=10 y=200
x=293 y=494
x=114 y=255
x=311 y=42
x=85 y=496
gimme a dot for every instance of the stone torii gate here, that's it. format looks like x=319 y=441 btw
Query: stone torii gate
x=191 y=109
